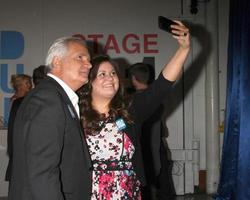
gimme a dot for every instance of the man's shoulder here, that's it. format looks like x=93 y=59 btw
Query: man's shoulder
x=48 y=82
x=46 y=92
x=47 y=87
x=45 y=98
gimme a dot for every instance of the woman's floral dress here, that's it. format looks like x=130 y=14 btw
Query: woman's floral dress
x=113 y=175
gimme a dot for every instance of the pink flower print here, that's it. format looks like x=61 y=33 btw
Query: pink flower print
x=126 y=143
x=127 y=184
x=119 y=140
x=106 y=185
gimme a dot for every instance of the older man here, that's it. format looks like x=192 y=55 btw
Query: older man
x=50 y=156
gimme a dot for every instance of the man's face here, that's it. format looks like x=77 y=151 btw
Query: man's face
x=74 y=67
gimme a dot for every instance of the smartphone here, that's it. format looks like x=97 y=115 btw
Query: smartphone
x=165 y=23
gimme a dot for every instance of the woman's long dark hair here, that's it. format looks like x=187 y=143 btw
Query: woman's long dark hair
x=92 y=120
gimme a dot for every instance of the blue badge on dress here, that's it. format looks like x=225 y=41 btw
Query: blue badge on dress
x=120 y=124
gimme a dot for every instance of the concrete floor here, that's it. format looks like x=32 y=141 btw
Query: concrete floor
x=186 y=197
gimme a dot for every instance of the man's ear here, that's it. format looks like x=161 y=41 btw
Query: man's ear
x=56 y=63
x=133 y=80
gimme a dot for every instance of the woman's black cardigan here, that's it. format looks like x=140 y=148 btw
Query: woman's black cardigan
x=143 y=106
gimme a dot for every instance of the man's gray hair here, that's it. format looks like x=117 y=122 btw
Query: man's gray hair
x=59 y=48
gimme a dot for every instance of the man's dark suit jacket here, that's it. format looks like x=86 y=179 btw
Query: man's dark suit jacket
x=50 y=156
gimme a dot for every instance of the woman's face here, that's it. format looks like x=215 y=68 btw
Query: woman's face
x=25 y=86
x=106 y=83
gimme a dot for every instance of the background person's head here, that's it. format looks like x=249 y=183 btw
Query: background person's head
x=140 y=76
x=39 y=73
x=68 y=59
x=21 y=84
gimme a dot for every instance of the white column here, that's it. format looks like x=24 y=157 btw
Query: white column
x=212 y=99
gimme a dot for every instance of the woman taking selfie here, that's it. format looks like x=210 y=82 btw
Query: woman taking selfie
x=110 y=123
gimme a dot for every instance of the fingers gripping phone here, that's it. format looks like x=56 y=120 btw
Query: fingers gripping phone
x=165 y=23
